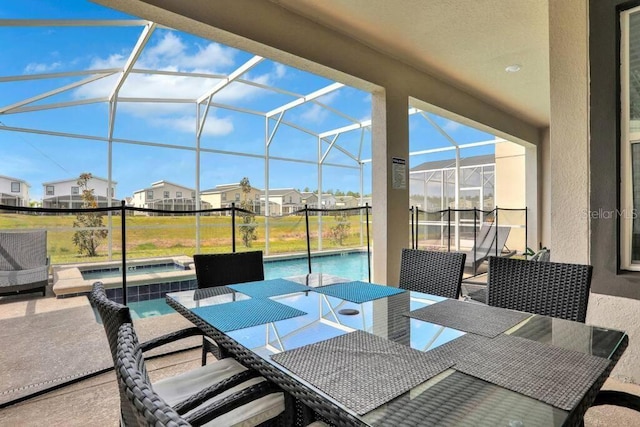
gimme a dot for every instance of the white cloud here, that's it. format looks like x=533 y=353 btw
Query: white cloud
x=451 y=126
x=218 y=126
x=172 y=53
x=116 y=60
x=214 y=126
x=214 y=56
x=169 y=47
x=314 y=113
x=37 y=68
x=279 y=70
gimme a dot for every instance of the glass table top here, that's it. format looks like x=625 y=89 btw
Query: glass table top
x=474 y=401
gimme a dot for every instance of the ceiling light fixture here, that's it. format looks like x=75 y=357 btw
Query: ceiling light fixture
x=514 y=68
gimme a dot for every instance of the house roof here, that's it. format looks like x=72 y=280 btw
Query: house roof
x=281 y=191
x=163 y=182
x=9 y=178
x=76 y=180
x=451 y=163
x=157 y=184
x=224 y=188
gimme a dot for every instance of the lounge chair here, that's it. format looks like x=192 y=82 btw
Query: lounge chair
x=490 y=241
x=24 y=266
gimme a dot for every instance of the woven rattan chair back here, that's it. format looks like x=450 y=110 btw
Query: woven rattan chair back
x=113 y=316
x=431 y=272
x=547 y=288
x=137 y=396
x=228 y=268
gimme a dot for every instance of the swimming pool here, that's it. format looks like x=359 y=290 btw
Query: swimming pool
x=351 y=265
x=132 y=270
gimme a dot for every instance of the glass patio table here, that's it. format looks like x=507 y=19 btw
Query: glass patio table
x=354 y=353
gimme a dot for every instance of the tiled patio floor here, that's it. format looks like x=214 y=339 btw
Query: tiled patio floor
x=34 y=327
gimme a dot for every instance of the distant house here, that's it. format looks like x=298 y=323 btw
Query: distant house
x=328 y=201
x=283 y=201
x=346 y=202
x=167 y=196
x=310 y=199
x=14 y=191
x=222 y=196
x=66 y=194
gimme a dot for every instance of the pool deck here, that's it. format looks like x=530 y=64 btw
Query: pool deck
x=53 y=340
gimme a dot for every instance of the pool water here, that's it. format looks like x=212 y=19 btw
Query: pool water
x=348 y=265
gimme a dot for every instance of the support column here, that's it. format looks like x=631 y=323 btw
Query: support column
x=390 y=138
x=569 y=130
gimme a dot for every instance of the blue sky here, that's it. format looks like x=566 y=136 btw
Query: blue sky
x=38 y=158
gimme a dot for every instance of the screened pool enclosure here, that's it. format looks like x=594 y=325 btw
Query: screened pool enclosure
x=135 y=103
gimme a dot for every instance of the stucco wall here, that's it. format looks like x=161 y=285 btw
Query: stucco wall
x=621 y=314
x=614 y=298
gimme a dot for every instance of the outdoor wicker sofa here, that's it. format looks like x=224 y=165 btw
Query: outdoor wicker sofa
x=24 y=266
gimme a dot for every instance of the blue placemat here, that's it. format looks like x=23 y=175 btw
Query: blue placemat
x=358 y=292
x=243 y=314
x=269 y=288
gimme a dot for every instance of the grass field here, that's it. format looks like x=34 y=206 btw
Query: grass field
x=153 y=236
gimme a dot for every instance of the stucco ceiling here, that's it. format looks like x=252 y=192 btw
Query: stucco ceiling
x=466 y=43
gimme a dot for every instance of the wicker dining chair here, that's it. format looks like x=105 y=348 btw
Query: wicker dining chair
x=431 y=272
x=114 y=314
x=241 y=399
x=225 y=269
x=551 y=289
x=207 y=381
x=228 y=268
x=548 y=288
